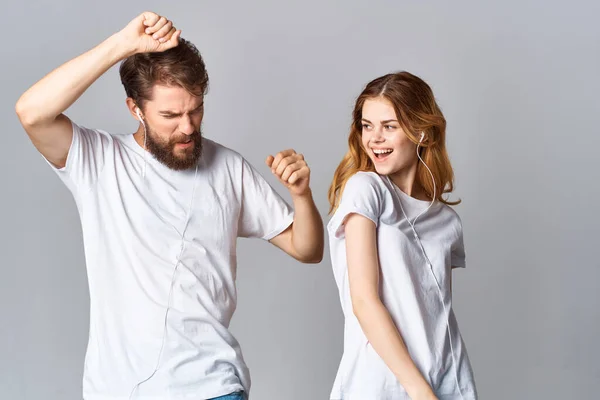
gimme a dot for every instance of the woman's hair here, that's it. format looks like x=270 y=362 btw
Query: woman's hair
x=417 y=112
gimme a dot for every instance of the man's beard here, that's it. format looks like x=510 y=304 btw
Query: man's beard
x=166 y=154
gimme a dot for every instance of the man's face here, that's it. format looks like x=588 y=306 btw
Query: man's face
x=173 y=121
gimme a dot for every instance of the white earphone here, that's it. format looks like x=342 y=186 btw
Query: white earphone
x=429 y=264
x=182 y=246
x=141 y=119
x=137 y=111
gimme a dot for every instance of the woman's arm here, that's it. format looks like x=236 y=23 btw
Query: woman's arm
x=374 y=318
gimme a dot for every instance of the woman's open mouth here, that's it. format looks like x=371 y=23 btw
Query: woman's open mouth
x=382 y=154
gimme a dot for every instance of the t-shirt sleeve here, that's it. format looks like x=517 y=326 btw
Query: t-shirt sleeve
x=458 y=259
x=361 y=196
x=264 y=213
x=86 y=158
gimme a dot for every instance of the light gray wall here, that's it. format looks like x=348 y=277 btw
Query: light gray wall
x=518 y=82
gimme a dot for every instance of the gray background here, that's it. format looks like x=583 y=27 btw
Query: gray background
x=518 y=82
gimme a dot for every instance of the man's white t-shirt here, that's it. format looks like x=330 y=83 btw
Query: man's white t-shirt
x=408 y=291
x=132 y=230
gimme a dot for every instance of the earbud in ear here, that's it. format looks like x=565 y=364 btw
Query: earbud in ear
x=137 y=111
x=422 y=137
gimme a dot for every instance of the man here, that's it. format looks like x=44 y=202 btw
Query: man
x=161 y=210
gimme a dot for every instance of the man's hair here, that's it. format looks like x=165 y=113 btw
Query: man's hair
x=180 y=66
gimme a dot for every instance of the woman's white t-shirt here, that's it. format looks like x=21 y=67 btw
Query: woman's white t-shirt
x=407 y=289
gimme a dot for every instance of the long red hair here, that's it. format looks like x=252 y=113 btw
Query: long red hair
x=417 y=112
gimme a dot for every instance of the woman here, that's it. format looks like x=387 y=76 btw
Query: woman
x=394 y=241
